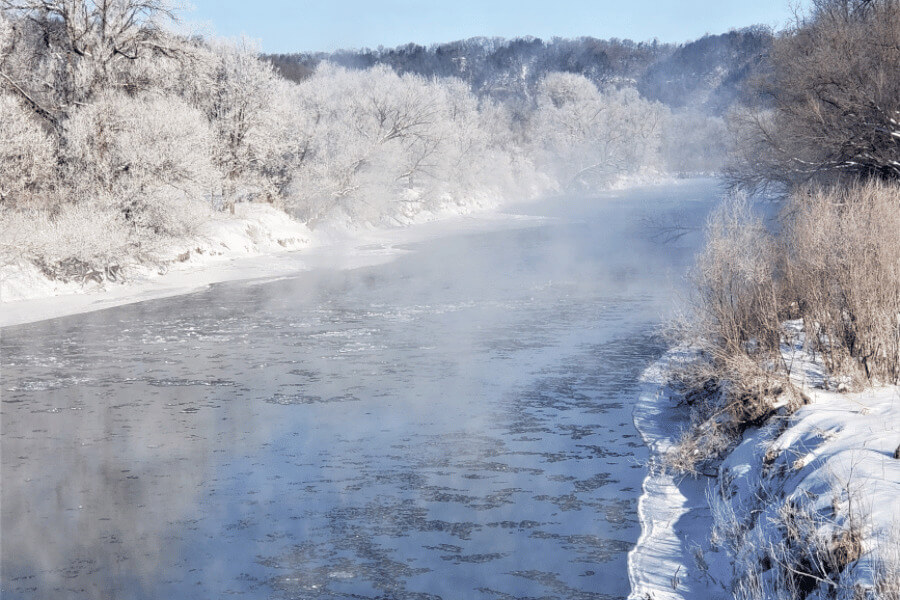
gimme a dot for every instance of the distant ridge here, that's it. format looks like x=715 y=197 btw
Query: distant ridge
x=704 y=74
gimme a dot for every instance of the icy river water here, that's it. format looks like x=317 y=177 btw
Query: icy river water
x=453 y=424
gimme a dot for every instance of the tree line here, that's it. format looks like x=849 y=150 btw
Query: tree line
x=705 y=74
x=121 y=135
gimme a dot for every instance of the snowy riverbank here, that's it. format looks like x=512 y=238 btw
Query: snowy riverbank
x=804 y=504
x=224 y=248
x=673 y=511
x=259 y=242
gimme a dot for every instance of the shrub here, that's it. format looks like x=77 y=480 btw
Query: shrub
x=736 y=296
x=843 y=275
x=26 y=154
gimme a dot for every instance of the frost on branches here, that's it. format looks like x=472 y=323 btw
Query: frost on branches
x=118 y=128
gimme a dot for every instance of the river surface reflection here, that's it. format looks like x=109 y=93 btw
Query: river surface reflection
x=453 y=424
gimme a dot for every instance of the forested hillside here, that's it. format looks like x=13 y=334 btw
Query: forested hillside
x=704 y=73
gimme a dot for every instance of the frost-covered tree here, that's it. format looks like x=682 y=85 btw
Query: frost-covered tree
x=148 y=155
x=26 y=69
x=694 y=142
x=369 y=134
x=26 y=151
x=587 y=136
x=480 y=155
x=91 y=42
x=252 y=115
x=377 y=144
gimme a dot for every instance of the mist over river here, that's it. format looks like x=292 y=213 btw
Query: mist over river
x=455 y=423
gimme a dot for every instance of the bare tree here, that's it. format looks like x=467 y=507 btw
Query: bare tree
x=831 y=102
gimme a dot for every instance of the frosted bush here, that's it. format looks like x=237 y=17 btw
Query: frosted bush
x=70 y=244
x=26 y=153
x=150 y=155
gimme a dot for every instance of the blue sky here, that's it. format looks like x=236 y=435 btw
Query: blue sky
x=290 y=25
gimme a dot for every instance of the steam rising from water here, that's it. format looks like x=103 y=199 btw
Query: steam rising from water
x=456 y=422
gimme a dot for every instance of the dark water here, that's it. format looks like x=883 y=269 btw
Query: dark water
x=454 y=424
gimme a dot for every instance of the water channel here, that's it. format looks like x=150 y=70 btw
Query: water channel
x=455 y=423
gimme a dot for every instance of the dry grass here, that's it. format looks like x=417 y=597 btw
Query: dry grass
x=797 y=551
x=815 y=549
x=834 y=262
x=725 y=400
x=842 y=276
x=886 y=570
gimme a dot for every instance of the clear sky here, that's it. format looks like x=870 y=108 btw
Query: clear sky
x=297 y=26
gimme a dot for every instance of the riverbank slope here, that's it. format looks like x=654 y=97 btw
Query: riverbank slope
x=804 y=504
x=258 y=242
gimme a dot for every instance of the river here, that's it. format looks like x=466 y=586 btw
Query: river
x=455 y=423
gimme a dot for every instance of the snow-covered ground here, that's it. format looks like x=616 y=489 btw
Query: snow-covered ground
x=827 y=469
x=227 y=247
x=258 y=242
x=673 y=511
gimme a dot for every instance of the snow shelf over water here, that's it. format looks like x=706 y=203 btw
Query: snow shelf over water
x=674 y=515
